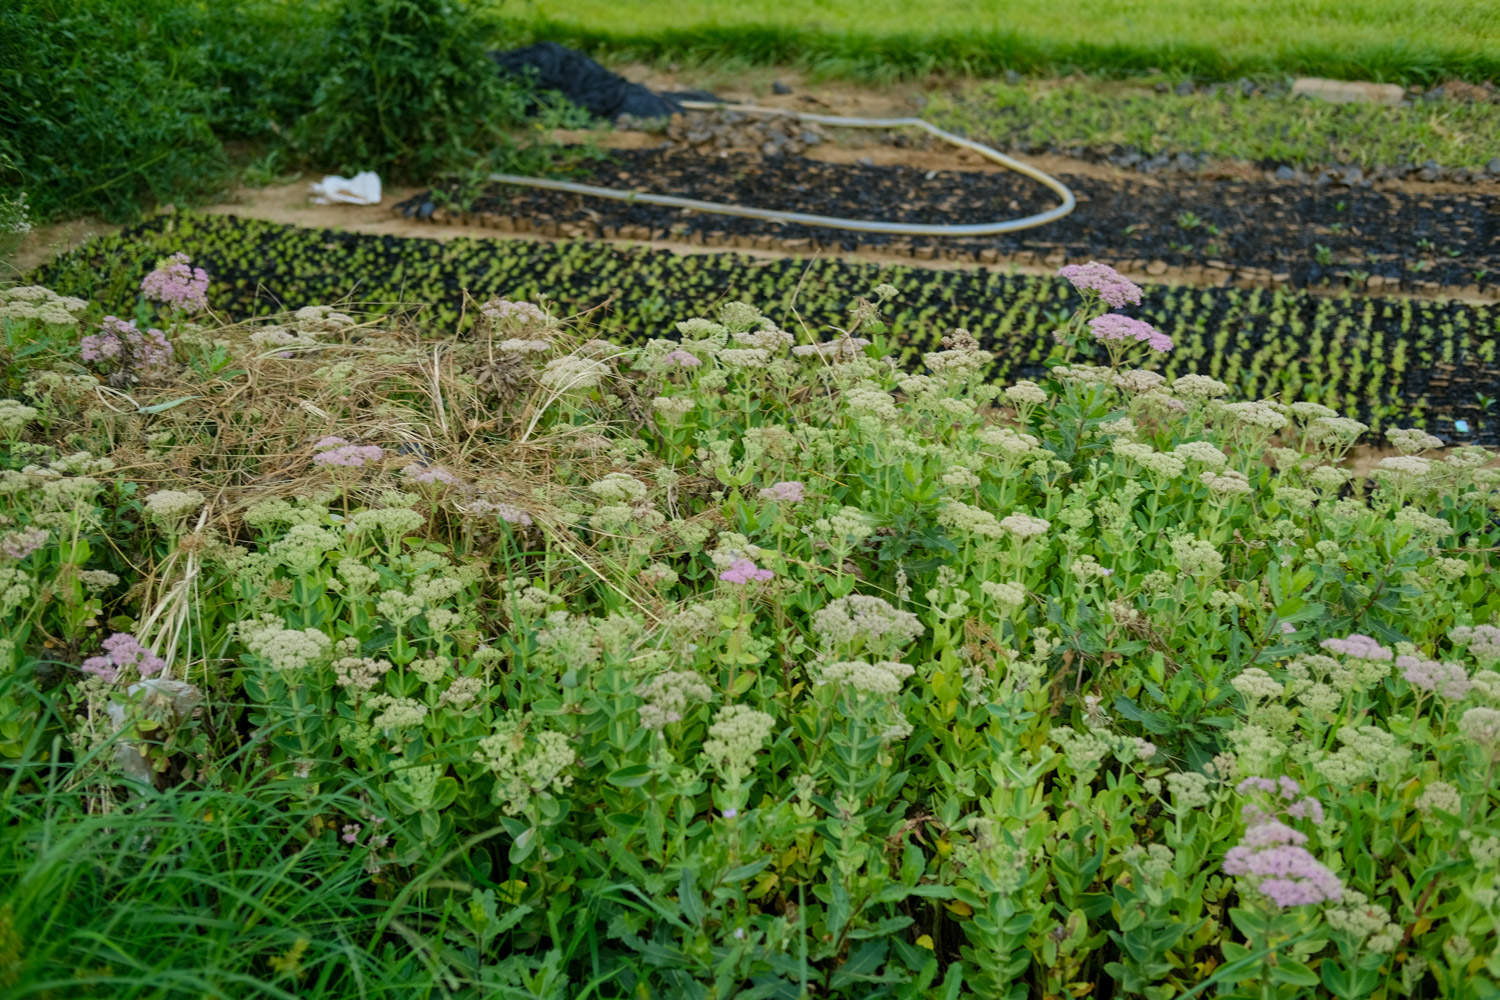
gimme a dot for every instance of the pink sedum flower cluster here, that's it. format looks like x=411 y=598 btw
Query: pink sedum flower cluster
x=743 y=571
x=1113 y=288
x=789 y=491
x=335 y=451
x=430 y=475
x=122 y=345
x=1116 y=327
x=1361 y=647
x=1447 y=679
x=122 y=651
x=1273 y=853
x=19 y=544
x=681 y=358
x=178 y=284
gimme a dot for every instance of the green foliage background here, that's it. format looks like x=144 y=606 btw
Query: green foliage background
x=109 y=107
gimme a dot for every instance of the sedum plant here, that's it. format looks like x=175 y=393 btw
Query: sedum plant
x=741 y=663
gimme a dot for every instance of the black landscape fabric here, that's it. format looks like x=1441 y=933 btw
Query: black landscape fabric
x=590 y=86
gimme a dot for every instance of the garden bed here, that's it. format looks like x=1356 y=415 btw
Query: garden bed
x=1208 y=231
x=1386 y=360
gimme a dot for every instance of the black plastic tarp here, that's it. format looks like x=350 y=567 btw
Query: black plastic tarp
x=590 y=86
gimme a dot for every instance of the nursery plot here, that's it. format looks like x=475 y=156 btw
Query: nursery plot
x=1387 y=361
x=1218 y=230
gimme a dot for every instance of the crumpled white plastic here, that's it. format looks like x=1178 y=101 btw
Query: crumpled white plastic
x=361 y=189
x=181 y=697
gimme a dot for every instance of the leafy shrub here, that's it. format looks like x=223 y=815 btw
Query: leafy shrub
x=96 y=114
x=406 y=87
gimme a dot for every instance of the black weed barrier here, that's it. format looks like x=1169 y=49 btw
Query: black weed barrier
x=1387 y=361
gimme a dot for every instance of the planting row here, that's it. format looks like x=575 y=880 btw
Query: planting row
x=1431 y=363
x=1250 y=230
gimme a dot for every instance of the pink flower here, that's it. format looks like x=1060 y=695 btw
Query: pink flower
x=19 y=544
x=742 y=571
x=430 y=475
x=682 y=359
x=1361 y=647
x=176 y=283
x=785 y=492
x=335 y=451
x=1273 y=852
x=121 y=651
x=1114 y=288
x=1448 y=679
x=121 y=344
x=1115 y=327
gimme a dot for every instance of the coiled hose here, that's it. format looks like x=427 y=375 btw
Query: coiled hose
x=831 y=221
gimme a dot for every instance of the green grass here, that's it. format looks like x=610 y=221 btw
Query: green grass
x=1280 y=128
x=1377 y=39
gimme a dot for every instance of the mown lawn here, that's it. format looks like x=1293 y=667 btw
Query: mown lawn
x=1377 y=39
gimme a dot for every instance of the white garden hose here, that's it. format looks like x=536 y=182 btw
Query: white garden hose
x=830 y=221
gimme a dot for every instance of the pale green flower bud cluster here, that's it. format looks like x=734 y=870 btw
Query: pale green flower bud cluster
x=668 y=696
x=15 y=589
x=1230 y=482
x=396 y=713
x=526 y=763
x=1138 y=381
x=849 y=525
x=872 y=401
x=1259 y=414
x=1368 y=924
x=1007 y=595
x=737 y=734
x=168 y=507
x=1024 y=526
x=963 y=518
x=1201 y=452
x=302 y=548
x=1198 y=388
x=359 y=673
x=882 y=678
x=284 y=648
x=1411 y=440
x=1162 y=464
x=391 y=522
x=672 y=408
x=1084 y=751
x=1026 y=393
x=462 y=693
x=398 y=607
x=572 y=373
x=1254 y=684
x=1403 y=467
x=1440 y=796
x=1482 y=725
x=1010 y=443
x=870 y=622
x=1367 y=752
x=14 y=416
x=1190 y=790
x=1335 y=432
x=1197 y=557
x=745 y=358
x=570 y=641
x=431 y=669
x=269 y=514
